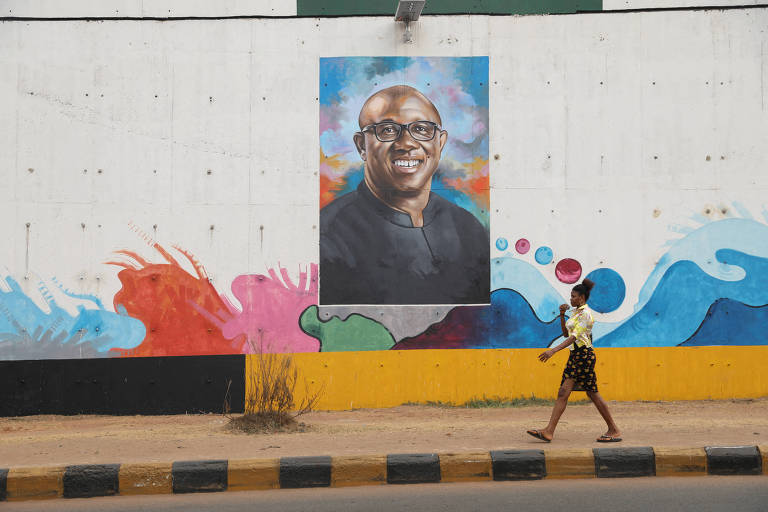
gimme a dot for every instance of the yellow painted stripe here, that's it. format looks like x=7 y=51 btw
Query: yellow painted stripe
x=681 y=461
x=570 y=463
x=35 y=483
x=146 y=478
x=465 y=467
x=253 y=474
x=390 y=378
x=358 y=470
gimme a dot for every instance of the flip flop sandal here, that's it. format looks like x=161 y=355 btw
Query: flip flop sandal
x=538 y=435
x=608 y=439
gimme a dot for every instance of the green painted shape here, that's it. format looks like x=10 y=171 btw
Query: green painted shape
x=381 y=7
x=353 y=334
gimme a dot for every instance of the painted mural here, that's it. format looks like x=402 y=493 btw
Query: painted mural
x=404 y=189
x=709 y=288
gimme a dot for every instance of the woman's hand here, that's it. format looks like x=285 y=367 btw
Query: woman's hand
x=564 y=308
x=544 y=356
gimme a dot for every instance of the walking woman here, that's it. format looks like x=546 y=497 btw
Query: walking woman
x=579 y=373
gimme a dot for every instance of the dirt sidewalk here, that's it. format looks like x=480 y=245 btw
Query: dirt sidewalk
x=48 y=440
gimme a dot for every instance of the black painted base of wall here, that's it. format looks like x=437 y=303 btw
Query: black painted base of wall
x=131 y=385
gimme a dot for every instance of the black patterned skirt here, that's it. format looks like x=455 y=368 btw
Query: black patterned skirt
x=581 y=368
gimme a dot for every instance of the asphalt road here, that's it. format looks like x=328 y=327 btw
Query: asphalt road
x=700 y=494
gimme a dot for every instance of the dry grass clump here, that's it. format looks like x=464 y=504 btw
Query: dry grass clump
x=270 y=404
x=265 y=424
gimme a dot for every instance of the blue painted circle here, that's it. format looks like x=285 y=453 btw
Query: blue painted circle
x=609 y=290
x=502 y=244
x=543 y=255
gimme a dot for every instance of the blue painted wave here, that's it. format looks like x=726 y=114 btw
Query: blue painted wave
x=730 y=322
x=515 y=274
x=701 y=246
x=681 y=299
x=85 y=330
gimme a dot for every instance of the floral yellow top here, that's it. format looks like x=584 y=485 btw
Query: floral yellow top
x=580 y=327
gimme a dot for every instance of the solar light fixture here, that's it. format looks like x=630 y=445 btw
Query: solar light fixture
x=408 y=11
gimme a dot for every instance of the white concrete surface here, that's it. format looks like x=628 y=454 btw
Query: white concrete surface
x=205 y=134
x=142 y=8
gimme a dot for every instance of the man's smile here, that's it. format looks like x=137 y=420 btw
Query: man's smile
x=407 y=165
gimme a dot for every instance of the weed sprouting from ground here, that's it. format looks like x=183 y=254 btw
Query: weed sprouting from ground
x=270 y=403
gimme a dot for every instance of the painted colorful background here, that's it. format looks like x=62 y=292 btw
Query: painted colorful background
x=710 y=287
x=609 y=160
x=458 y=86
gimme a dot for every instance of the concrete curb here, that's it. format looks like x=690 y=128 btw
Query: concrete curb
x=86 y=481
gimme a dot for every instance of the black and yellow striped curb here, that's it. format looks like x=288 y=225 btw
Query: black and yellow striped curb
x=84 y=481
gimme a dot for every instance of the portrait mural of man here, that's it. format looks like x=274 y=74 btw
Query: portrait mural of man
x=399 y=236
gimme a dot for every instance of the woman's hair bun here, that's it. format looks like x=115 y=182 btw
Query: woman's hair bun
x=588 y=283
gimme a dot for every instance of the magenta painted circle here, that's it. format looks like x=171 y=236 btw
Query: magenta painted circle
x=522 y=246
x=568 y=270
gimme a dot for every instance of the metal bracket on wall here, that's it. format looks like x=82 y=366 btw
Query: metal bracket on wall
x=408 y=11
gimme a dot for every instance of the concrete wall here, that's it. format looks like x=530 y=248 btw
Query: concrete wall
x=279 y=8
x=141 y=9
x=625 y=141
x=386 y=379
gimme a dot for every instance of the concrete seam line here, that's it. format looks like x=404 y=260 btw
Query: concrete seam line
x=199 y=476
x=518 y=465
x=734 y=460
x=91 y=480
x=299 y=472
x=625 y=462
x=413 y=468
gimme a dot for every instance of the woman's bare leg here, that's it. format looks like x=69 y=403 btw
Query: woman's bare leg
x=562 y=401
x=602 y=407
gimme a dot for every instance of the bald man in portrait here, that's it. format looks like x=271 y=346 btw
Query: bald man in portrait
x=393 y=240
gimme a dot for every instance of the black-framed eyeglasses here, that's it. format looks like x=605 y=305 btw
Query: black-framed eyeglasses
x=388 y=131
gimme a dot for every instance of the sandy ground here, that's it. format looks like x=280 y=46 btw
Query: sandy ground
x=46 y=440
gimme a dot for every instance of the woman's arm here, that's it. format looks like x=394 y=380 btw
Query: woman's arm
x=544 y=356
x=563 y=309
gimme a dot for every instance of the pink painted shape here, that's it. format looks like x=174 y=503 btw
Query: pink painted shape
x=522 y=246
x=328 y=120
x=568 y=270
x=271 y=310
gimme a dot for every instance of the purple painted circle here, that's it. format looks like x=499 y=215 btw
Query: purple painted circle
x=568 y=270
x=522 y=246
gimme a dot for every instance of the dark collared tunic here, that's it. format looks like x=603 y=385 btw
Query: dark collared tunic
x=372 y=254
